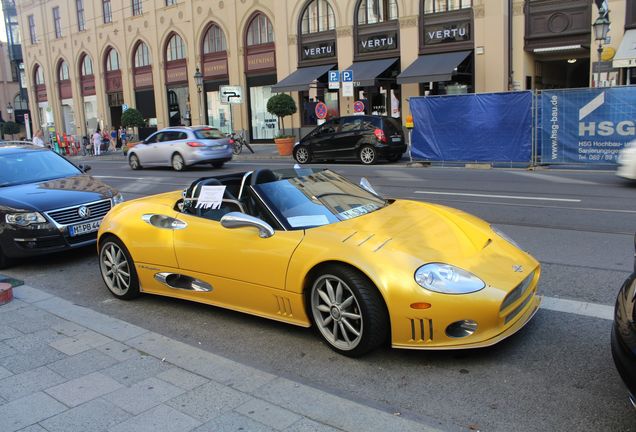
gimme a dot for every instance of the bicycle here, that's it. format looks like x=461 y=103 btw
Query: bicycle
x=237 y=140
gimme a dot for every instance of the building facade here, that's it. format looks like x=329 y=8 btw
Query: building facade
x=87 y=60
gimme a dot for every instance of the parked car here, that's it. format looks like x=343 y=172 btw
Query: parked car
x=181 y=147
x=624 y=333
x=627 y=162
x=309 y=247
x=365 y=138
x=47 y=204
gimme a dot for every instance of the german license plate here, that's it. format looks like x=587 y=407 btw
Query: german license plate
x=396 y=139
x=83 y=228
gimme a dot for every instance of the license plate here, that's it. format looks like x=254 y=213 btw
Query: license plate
x=396 y=139
x=84 y=228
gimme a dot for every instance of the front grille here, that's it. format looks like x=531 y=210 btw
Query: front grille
x=518 y=309
x=421 y=330
x=70 y=215
x=518 y=292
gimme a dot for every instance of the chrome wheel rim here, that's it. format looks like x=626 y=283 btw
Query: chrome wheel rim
x=336 y=312
x=177 y=162
x=302 y=155
x=115 y=269
x=134 y=162
x=367 y=155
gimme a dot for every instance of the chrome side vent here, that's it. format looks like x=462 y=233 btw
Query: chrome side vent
x=421 y=330
x=182 y=282
x=284 y=306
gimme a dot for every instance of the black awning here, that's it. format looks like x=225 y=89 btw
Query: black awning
x=432 y=67
x=366 y=72
x=300 y=79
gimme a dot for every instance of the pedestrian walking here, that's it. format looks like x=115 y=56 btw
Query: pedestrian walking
x=37 y=139
x=97 y=142
x=123 y=136
x=113 y=139
x=119 y=134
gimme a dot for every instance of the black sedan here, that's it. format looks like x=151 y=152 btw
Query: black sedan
x=365 y=138
x=47 y=204
x=624 y=333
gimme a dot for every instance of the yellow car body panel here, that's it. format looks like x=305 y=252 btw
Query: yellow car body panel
x=268 y=277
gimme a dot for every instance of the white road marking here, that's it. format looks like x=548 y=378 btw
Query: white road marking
x=593 y=310
x=552 y=178
x=498 y=196
x=119 y=177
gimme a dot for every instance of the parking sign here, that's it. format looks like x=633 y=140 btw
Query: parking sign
x=347 y=76
x=334 y=80
x=347 y=83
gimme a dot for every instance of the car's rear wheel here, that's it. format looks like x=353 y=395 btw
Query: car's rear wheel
x=178 y=164
x=134 y=163
x=394 y=157
x=368 y=155
x=118 y=269
x=302 y=154
x=217 y=164
x=348 y=311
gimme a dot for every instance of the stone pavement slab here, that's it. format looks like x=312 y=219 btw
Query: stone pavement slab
x=28 y=410
x=159 y=419
x=96 y=415
x=144 y=395
x=83 y=389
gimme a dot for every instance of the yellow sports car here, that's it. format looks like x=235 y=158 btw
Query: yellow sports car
x=307 y=247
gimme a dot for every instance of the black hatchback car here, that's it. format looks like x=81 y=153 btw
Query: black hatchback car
x=47 y=204
x=624 y=333
x=365 y=138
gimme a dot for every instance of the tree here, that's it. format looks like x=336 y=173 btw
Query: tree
x=10 y=128
x=132 y=118
x=281 y=105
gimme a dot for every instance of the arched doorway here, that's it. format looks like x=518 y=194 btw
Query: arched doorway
x=45 y=113
x=215 y=74
x=177 y=81
x=144 y=88
x=89 y=99
x=114 y=87
x=66 y=98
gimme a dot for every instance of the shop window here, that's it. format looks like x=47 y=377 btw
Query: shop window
x=264 y=124
x=176 y=49
x=214 y=40
x=260 y=31
x=142 y=55
x=377 y=11
x=308 y=106
x=318 y=17
x=218 y=115
x=19 y=103
x=87 y=66
x=63 y=74
x=112 y=60
x=437 y=6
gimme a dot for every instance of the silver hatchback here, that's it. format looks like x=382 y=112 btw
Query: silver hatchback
x=180 y=147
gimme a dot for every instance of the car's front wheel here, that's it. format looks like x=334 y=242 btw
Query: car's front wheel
x=348 y=311
x=302 y=154
x=133 y=161
x=368 y=155
x=118 y=269
x=178 y=164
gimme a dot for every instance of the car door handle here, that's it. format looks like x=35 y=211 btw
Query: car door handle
x=164 y=222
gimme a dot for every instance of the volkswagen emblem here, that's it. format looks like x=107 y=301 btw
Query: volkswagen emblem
x=517 y=268
x=84 y=212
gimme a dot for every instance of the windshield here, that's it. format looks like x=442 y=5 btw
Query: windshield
x=34 y=166
x=208 y=133
x=317 y=199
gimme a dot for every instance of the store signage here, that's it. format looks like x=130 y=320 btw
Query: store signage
x=231 y=94
x=40 y=91
x=377 y=42
x=215 y=68
x=143 y=79
x=113 y=81
x=446 y=33
x=318 y=50
x=177 y=75
x=261 y=61
x=88 y=85
x=334 y=80
x=66 y=92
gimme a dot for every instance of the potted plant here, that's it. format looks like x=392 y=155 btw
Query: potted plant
x=282 y=105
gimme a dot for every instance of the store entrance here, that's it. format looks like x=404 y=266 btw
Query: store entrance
x=562 y=73
x=178 y=112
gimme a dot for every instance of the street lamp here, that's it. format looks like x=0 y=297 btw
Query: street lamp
x=198 y=80
x=9 y=110
x=601 y=28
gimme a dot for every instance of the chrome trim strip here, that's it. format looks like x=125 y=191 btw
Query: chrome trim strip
x=62 y=227
x=175 y=224
x=245 y=176
x=365 y=240
x=349 y=236
x=382 y=245
x=269 y=209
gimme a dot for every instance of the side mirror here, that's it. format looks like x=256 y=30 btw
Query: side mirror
x=240 y=220
x=84 y=168
x=364 y=183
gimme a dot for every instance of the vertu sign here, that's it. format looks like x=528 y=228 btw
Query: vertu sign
x=377 y=42
x=318 y=50
x=446 y=33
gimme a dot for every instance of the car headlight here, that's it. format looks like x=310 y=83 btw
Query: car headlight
x=118 y=199
x=504 y=236
x=447 y=279
x=24 y=219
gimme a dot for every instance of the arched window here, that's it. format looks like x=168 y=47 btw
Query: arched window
x=20 y=103
x=214 y=40
x=87 y=66
x=112 y=60
x=39 y=76
x=437 y=6
x=318 y=17
x=260 y=31
x=142 y=55
x=377 y=11
x=63 y=74
x=176 y=49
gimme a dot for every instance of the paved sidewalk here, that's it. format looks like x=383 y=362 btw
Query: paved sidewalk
x=67 y=368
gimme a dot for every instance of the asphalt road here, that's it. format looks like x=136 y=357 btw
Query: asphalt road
x=556 y=374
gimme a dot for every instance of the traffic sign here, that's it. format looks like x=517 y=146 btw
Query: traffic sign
x=334 y=80
x=347 y=76
x=231 y=94
x=321 y=110
x=124 y=107
x=358 y=106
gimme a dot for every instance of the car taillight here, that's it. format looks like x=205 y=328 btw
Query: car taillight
x=195 y=144
x=231 y=141
x=379 y=134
